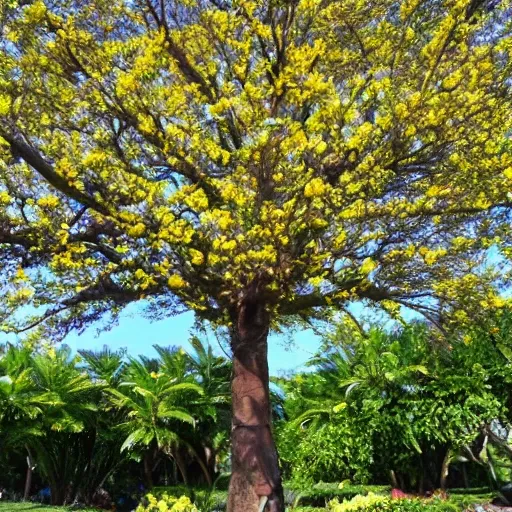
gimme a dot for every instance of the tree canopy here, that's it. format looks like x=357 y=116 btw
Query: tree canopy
x=194 y=152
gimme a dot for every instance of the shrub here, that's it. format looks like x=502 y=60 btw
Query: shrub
x=376 y=503
x=167 y=503
x=338 y=450
x=204 y=498
x=321 y=493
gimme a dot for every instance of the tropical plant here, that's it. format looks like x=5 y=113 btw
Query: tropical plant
x=375 y=503
x=156 y=406
x=399 y=400
x=213 y=373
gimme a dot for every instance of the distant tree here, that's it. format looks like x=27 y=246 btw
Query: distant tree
x=255 y=162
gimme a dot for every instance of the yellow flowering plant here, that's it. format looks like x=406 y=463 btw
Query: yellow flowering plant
x=167 y=503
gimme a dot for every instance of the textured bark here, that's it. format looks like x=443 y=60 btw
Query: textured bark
x=255 y=478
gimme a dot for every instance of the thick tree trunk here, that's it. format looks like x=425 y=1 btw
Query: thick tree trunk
x=255 y=477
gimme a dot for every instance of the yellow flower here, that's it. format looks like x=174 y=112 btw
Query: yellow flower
x=315 y=188
x=196 y=257
x=176 y=281
x=5 y=105
x=5 y=198
x=137 y=230
x=368 y=266
x=229 y=245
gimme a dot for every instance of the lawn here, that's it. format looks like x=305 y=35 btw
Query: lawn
x=29 y=507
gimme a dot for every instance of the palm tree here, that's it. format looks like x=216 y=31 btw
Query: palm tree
x=156 y=407
x=63 y=452
x=213 y=373
x=106 y=367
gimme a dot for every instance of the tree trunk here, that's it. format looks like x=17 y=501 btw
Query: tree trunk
x=148 y=470
x=465 y=475
x=255 y=484
x=445 y=469
x=28 y=479
x=178 y=457
x=210 y=458
x=58 y=492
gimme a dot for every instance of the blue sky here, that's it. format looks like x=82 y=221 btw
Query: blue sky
x=138 y=335
x=287 y=353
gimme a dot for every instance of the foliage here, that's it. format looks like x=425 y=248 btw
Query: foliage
x=167 y=503
x=337 y=450
x=81 y=417
x=321 y=493
x=205 y=499
x=150 y=401
x=406 y=401
x=375 y=503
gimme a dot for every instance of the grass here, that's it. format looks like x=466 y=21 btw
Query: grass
x=36 y=507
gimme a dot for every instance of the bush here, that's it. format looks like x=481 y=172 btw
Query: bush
x=204 y=498
x=338 y=450
x=376 y=503
x=322 y=493
x=167 y=503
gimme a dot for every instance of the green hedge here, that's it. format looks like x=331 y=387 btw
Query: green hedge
x=319 y=496
x=469 y=490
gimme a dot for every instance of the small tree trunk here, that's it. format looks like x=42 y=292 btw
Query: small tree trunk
x=204 y=468
x=210 y=458
x=148 y=470
x=58 y=494
x=28 y=479
x=465 y=475
x=178 y=457
x=445 y=469
x=394 y=481
x=255 y=484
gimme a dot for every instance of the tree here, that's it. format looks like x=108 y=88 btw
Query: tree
x=256 y=162
x=155 y=403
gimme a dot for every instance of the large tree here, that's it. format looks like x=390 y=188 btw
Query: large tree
x=256 y=162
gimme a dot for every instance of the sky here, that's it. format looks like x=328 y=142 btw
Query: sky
x=138 y=335
x=287 y=353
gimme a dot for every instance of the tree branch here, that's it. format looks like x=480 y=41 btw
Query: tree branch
x=33 y=158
